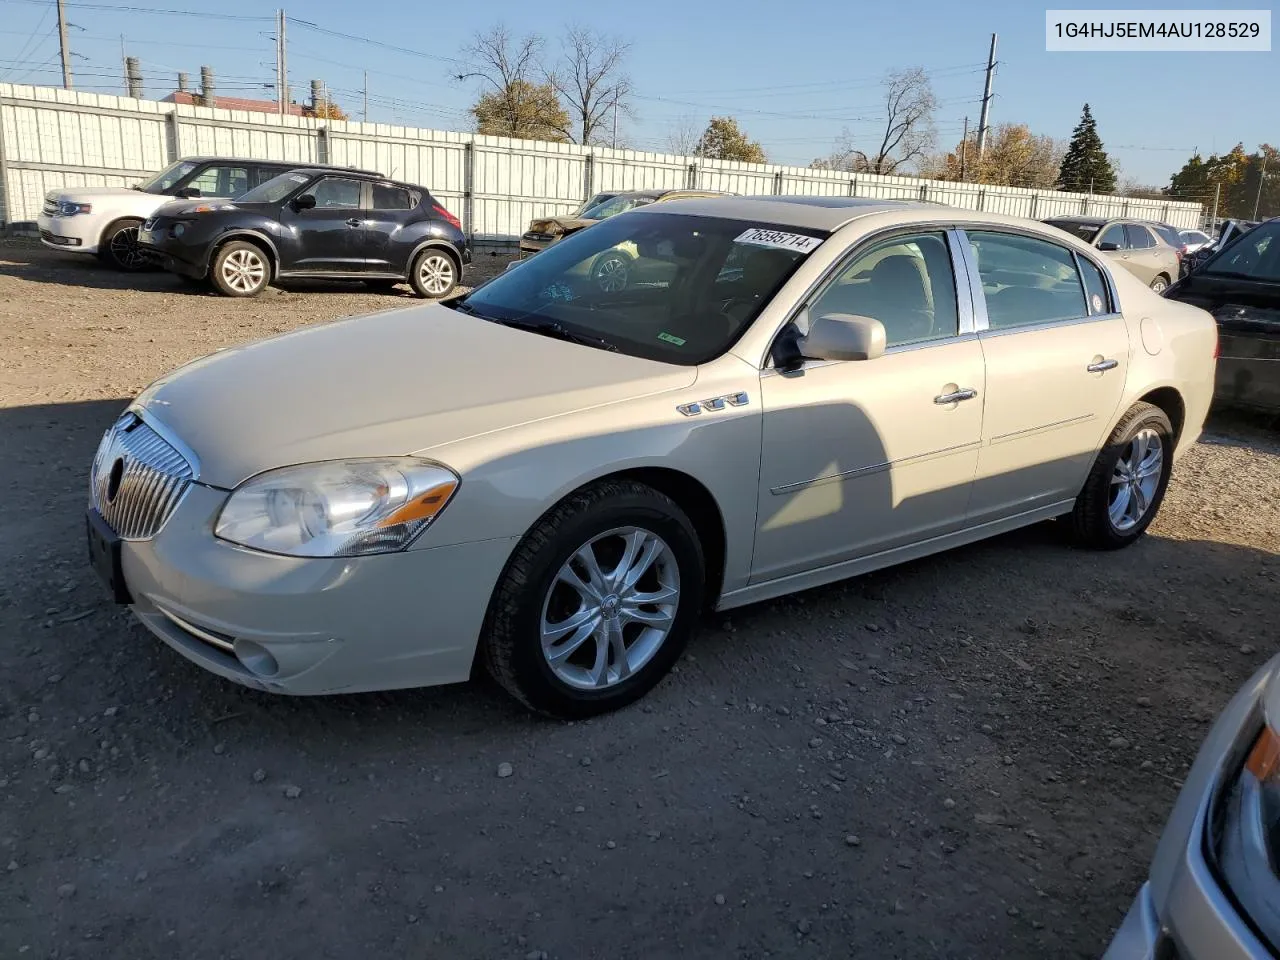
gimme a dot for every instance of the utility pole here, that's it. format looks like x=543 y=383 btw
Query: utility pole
x=1262 y=178
x=964 y=148
x=366 y=96
x=1217 y=192
x=62 y=44
x=983 y=120
x=614 y=141
x=282 y=68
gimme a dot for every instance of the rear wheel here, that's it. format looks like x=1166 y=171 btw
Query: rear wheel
x=1127 y=483
x=434 y=274
x=240 y=269
x=120 y=249
x=597 y=601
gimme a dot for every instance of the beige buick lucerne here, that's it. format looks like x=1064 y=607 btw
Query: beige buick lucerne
x=556 y=476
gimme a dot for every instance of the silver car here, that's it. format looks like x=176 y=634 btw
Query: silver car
x=556 y=474
x=1214 y=888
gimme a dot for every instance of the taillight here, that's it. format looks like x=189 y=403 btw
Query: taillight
x=447 y=216
x=1217 y=343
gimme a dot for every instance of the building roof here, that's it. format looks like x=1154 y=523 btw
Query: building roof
x=234 y=103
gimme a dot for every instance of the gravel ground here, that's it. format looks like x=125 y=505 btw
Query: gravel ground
x=967 y=756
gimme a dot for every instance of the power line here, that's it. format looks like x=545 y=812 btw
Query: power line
x=113 y=8
x=375 y=43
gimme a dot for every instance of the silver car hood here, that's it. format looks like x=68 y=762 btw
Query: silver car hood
x=392 y=383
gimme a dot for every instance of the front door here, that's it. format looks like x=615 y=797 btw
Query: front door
x=1056 y=356
x=329 y=237
x=862 y=456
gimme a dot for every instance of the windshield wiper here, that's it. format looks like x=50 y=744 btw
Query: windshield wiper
x=551 y=328
x=462 y=306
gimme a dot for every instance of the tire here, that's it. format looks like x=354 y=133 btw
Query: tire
x=240 y=269
x=434 y=273
x=1097 y=521
x=1160 y=284
x=119 y=247
x=533 y=598
x=611 y=271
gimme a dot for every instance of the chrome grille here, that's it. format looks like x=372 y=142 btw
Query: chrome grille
x=138 y=478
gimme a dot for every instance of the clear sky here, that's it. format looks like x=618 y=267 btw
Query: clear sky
x=794 y=75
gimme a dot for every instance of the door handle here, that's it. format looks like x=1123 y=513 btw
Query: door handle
x=955 y=396
x=354 y=222
x=1102 y=366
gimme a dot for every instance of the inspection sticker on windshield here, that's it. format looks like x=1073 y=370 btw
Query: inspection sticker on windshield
x=777 y=238
x=670 y=338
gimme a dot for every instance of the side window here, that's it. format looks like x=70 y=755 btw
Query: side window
x=337 y=192
x=221 y=181
x=1026 y=280
x=1114 y=234
x=261 y=175
x=390 y=198
x=906 y=283
x=1095 y=287
x=1139 y=237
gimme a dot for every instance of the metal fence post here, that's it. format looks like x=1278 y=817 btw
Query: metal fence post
x=777 y=183
x=853 y=186
x=173 y=136
x=924 y=191
x=468 y=188
x=982 y=200
x=588 y=176
x=1035 y=204
x=322 y=144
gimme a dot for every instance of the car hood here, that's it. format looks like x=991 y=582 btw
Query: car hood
x=559 y=224
x=179 y=208
x=85 y=194
x=392 y=383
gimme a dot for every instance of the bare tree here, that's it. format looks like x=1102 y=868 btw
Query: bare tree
x=909 y=133
x=682 y=136
x=592 y=83
x=512 y=104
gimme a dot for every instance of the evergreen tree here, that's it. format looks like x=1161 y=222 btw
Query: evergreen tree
x=1086 y=166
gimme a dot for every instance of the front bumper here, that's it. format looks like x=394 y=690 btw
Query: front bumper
x=78 y=234
x=1183 y=911
x=188 y=255
x=531 y=243
x=310 y=626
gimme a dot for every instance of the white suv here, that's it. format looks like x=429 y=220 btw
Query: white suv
x=105 y=220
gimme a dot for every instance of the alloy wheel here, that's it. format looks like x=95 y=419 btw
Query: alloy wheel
x=611 y=274
x=436 y=274
x=610 y=608
x=125 y=250
x=1135 y=479
x=244 y=270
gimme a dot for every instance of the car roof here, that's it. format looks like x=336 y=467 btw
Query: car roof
x=282 y=164
x=313 y=168
x=814 y=213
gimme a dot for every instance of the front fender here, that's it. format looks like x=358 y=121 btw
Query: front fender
x=246 y=233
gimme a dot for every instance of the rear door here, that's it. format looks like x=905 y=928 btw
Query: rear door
x=1145 y=261
x=329 y=237
x=1056 y=353
x=392 y=209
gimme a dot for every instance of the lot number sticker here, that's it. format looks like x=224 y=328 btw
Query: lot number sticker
x=777 y=238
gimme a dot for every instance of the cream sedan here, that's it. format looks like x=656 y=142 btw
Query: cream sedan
x=556 y=477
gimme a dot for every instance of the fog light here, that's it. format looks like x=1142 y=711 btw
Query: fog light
x=256 y=658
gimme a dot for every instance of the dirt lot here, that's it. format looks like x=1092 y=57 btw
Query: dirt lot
x=968 y=756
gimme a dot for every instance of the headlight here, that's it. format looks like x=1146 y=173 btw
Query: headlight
x=68 y=209
x=1248 y=835
x=177 y=230
x=342 y=508
x=213 y=207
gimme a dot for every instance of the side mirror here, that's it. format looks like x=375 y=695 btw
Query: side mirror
x=843 y=336
x=187 y=193
x=1108 y=247
x=305 y=202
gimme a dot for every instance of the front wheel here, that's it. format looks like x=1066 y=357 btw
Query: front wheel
x=240 y=269
x=120 y=246
x=612 y=271
x=1160 y=284
x=1128 y=481
x=434 y=274
x=597 y=601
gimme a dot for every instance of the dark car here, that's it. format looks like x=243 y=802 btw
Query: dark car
x=545 y=231
x=313 y=222
x=1228 y=232
x=1240 y=286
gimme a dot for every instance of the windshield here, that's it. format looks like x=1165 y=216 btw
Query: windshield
x=1253 y=256
x=166 y=178
x=275 y=189
x=1085 y=231
x=614 y=205
x=598 y=199
x=680 y=289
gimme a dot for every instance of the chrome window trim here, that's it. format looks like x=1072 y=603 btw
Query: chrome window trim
x=964 y=309
x=980 y=297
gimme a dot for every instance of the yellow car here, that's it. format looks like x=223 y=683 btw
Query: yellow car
x=546 y=231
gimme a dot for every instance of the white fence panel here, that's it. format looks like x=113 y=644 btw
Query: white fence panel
x=51 y=138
